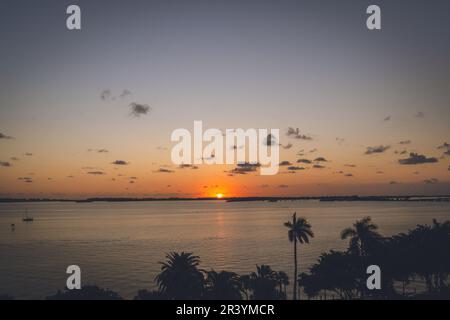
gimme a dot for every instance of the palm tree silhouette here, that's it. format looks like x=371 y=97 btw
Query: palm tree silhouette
x=299 y=230
x=223 y=285
x=180 y=277
x=363 y=236
x=364 y=240
x=283 y=281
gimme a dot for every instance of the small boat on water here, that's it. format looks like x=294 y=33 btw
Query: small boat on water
x=27 y=218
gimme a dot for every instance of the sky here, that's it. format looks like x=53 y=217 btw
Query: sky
x=90 y=112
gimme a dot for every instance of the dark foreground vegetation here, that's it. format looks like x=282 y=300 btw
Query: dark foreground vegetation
x=422 y=254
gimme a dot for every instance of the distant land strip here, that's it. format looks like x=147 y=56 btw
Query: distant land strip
x=239 y=199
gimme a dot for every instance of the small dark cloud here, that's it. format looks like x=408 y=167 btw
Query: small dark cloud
x=125 y=93
x=304 y=161
x=448 y=168
x=133 y=178
x=164 y=170
x=285 y=163
x=270 y=140
x=393 y=182
x=138 y=109
x=283 y=186
x=188 y=166
x=5 y=164
x=96 y=173
x=29 y=154
x=120 y=163
x=379 y=172
x=6 y=137
x=105 y=94
x=244 y=168
x=420 y=114
x=388 y=118
x=348 y=175
x=320 y=159
x=98 y=150
x=340 y=140
x=350 y=165
x=405 y=142
x=313 y=150
x=70 y=177
x=295 y=133
x=431 y=181
x=445 y=145
x=377 y=149
x=415 y=158
x=25 y=179
x=288 y=146
x=295 y=168
x=318 y=166
x=14 y=159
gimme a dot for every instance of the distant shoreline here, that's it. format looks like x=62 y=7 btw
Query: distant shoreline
x=240 y=199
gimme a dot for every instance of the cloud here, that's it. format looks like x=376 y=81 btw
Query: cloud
x=393 y=182
x=350 y=165
x=14 y=159
x=446 y=146
x=288 y=146
x=25 y=179
x=283 y=186
x=5 y=164
x=270 y=140
x=415 y=158
x=377 y=149
x=29 y=154
x=96 y=173
x=295 y=133
x=431 y=181
x=448 y=168
x=120 y=163
x=348 y=175
x=6 y=137
x=295 y=168
x=420 y=114
x=138 y=109
x=105 y=94
x=304 y=161
x=183 y=166
x=285 y=163
x=244 y=168
x=320 y=159
x=388 y=118
x=98 y=150
x=405 y=142
x=318 y=166
x=125 y=93
x=161 y=148
x=164 y=170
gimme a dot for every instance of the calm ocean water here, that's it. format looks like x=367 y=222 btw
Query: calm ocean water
x=118 y=245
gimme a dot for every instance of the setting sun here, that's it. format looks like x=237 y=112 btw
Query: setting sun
x=219 y=196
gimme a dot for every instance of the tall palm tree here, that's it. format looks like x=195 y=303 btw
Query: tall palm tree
x=180 y=277
x=363 y=241
x=299 y=230
x=363 y=236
